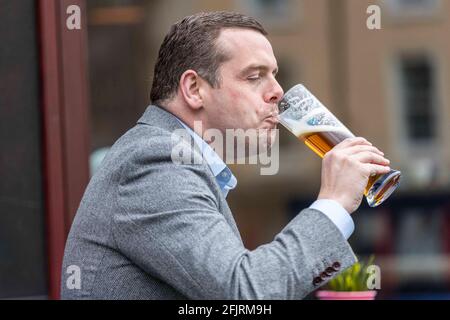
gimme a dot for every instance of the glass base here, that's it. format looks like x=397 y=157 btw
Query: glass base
x=383 y=187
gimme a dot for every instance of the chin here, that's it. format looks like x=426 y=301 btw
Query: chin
x=269 y=135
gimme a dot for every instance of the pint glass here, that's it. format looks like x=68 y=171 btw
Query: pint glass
x=311 y=122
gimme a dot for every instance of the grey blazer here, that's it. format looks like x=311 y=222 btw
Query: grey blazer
x=149 y=228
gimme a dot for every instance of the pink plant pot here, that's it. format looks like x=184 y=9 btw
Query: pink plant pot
x=346 y=295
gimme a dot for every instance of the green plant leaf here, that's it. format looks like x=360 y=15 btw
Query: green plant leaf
x=352 y=279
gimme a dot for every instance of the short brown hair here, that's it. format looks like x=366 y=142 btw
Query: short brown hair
x=191 y=44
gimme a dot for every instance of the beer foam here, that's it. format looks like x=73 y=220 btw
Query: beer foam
x=299 y=128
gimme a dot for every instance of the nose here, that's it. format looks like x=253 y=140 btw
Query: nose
x=275 y=93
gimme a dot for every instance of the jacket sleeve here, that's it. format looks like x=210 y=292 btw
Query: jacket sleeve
x=169 y=225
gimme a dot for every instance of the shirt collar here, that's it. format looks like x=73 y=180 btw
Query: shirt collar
x=224 y=177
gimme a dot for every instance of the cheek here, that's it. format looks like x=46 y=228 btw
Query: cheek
x=234 y=101
x=248 y=102
x=243 y=106
x=235 y=98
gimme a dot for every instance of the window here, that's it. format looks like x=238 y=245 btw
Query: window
x=418 y=98
x=272 y=13
x=412 y=8
x=23 y=256
x=271 y=7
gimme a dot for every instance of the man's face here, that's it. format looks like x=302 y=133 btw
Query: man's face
x=248 y=93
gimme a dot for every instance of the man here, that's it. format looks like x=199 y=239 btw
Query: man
x=151 y=228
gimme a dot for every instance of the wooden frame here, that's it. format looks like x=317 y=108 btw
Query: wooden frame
x=65 y=125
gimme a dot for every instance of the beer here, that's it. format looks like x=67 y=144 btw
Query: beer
x=311 y=122
x=322 y=142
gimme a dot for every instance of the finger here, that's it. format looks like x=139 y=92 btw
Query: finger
x=371 y=157
x=352 y=142
x=375 y=169
x=362 y=148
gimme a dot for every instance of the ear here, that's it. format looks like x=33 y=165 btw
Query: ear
x=190 y=83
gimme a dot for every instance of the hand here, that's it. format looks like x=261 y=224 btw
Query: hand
x=346 y=170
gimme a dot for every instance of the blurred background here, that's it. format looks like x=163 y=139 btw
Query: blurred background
x=67 y=95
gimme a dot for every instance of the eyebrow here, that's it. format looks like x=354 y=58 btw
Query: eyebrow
x=255 y=67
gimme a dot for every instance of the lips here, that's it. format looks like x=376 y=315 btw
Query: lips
x=273 y=119
x=271 y=122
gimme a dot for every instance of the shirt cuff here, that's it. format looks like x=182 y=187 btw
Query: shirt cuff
x=337 y=214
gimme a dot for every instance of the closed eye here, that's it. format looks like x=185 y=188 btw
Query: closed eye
x=254 y=78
